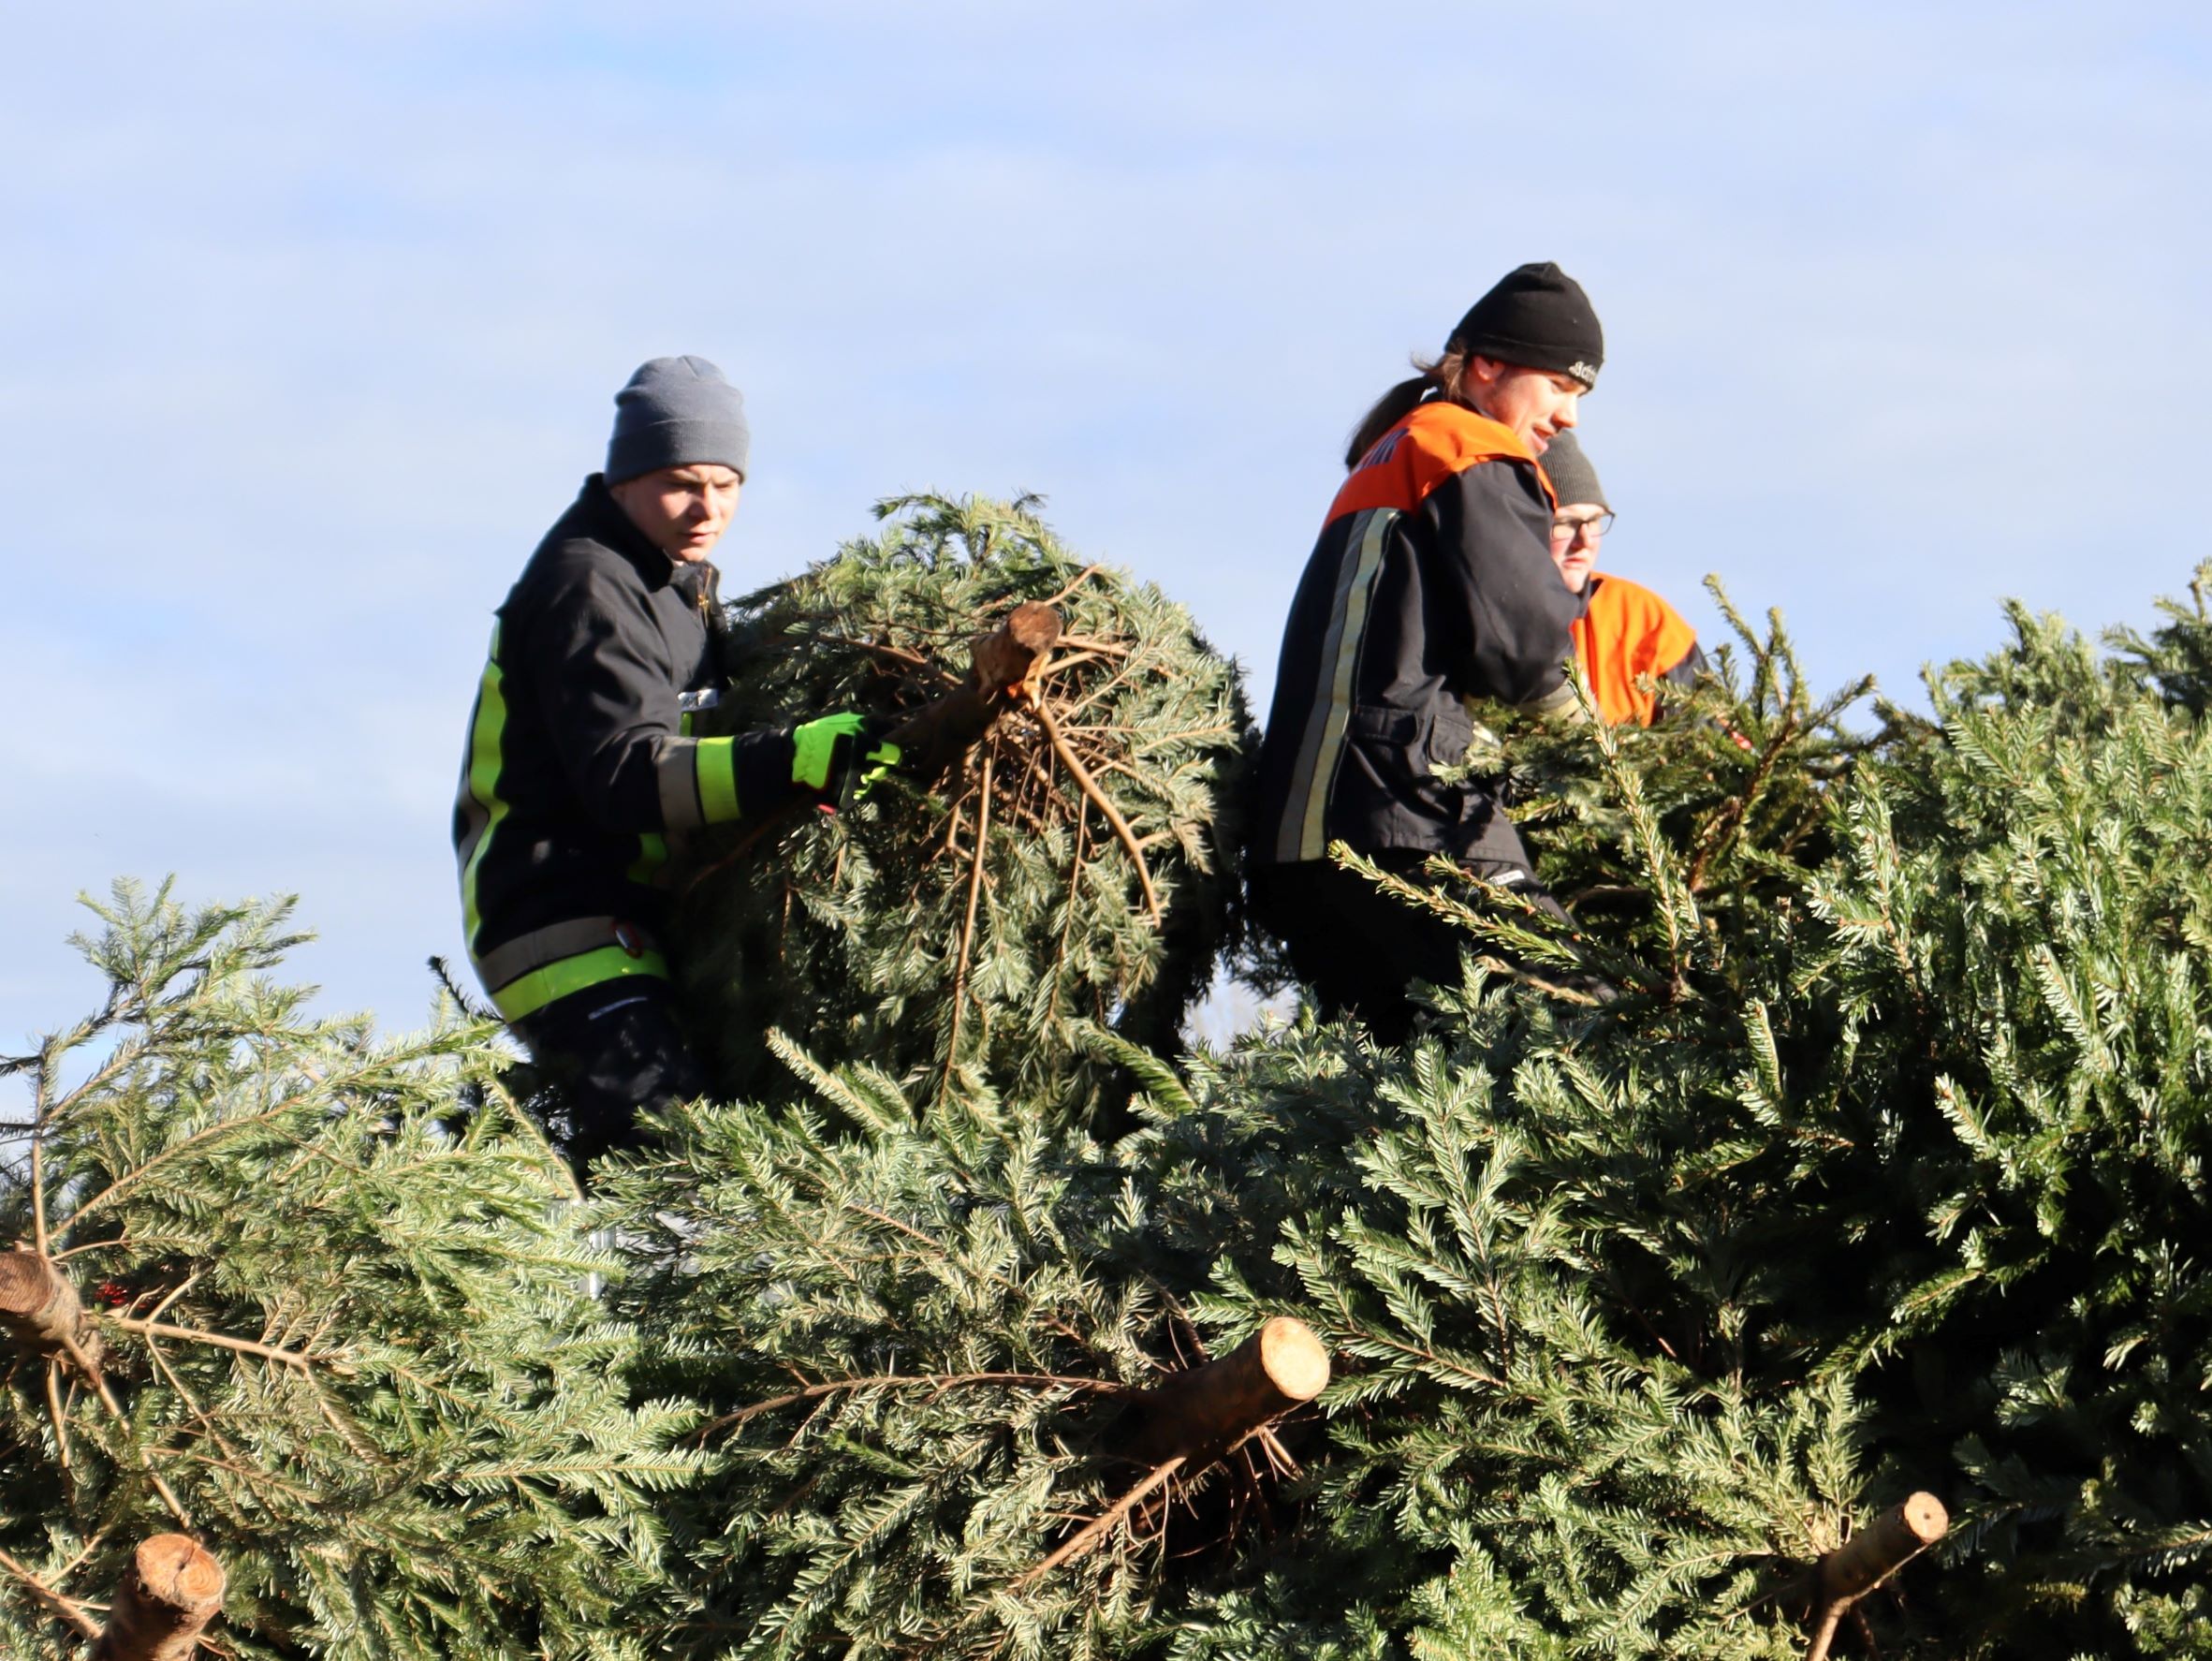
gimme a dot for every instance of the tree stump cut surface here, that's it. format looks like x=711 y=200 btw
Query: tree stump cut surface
x=171 y=1591
x=1209 y=1409
x=936 y=736
x=38 y=1307
x=1884 y=1547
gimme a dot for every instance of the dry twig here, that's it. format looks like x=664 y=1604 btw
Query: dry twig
x=68 y=1608
x=959 y=973
x=1100 y=1527
x=1089 y=785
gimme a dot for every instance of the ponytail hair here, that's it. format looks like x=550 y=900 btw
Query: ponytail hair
x=1441 y=377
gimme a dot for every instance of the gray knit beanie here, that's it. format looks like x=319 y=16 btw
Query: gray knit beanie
x=1573 y=478
x=677 y=411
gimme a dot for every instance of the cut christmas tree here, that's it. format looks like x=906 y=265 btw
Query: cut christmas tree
x=1076 y=865
x=310 y=1308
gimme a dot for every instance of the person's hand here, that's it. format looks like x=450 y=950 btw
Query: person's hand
x=840 y=757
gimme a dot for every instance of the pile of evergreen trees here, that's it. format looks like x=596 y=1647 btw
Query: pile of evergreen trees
x=1853 y=1144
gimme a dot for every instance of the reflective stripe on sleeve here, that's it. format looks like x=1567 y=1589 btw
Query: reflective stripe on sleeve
x=651 y=866
x=717 y=764
x=676 y=774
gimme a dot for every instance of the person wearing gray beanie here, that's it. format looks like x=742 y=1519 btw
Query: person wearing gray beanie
x=1582 y=515
x=677 y=411
x=580 y=762
x=1628 y=640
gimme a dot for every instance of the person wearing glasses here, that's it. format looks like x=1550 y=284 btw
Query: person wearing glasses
x=1626 y=634
x=1431 y=584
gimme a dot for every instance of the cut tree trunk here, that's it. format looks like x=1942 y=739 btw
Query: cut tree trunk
x=1199 y=1415
x=40 y=1310
x=169 y=1595
x=1202 y=1414
x=1868 y=1558
x=937 y=735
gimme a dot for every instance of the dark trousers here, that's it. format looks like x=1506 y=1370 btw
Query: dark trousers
x=1358 y=948
x=608 y=1052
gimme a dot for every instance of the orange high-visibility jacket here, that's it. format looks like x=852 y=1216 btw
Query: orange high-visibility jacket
x=1627 y=631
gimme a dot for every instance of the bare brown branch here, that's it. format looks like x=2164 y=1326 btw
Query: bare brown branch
x=68 y=1609
x=1096 y=1531
x=1089 y=785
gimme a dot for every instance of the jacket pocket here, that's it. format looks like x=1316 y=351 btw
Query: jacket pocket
x=1450 y=733
x=1383 y=726
x=1394 y=743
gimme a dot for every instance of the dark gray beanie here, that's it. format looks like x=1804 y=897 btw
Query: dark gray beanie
x=1573 y=478
x=1537 y=317
x=677 y=411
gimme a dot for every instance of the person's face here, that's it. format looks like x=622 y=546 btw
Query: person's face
x=1534 y=403
x=1576 y=529
x=682 y=510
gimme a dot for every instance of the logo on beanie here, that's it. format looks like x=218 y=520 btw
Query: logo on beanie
x=1585 y=373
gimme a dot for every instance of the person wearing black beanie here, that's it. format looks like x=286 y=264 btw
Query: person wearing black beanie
x=1431 y=585
x=1538 y=316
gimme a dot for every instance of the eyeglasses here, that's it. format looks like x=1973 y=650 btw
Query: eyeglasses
x=1596 y=525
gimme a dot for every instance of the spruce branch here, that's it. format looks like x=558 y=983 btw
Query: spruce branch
x=931 y=1381
x=68 y=1609
x=1060 y=596
x=268 y=1352
x=235 y=1161
x=1525 y=943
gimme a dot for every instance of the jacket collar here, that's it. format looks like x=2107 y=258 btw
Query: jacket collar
x=603 y=519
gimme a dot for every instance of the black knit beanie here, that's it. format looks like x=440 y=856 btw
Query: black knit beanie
x=1538 y=317
x=1573 y=478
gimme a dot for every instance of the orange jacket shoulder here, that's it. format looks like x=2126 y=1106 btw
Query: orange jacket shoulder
x=1626 y=631
x=1436 y=441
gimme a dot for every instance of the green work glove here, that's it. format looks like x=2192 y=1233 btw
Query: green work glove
x=840 y=757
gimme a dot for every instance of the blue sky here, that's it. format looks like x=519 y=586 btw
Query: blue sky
x=311 y=318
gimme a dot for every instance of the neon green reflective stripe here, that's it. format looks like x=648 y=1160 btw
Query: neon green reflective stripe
x=652 y=853
x=483 y=779
x=716 y=760
x=535 y=991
